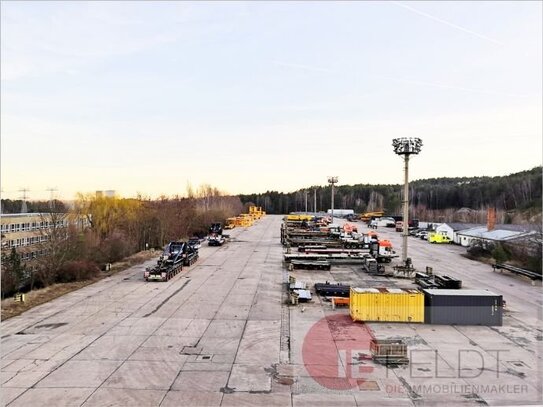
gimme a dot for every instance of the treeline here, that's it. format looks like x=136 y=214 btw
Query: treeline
x=15 y=206
x=105 y=230
x=520 y=191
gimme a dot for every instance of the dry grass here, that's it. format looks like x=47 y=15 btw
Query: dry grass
x=10 y=308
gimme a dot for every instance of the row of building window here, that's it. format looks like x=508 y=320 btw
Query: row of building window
x=29 y=226
x=33 y=255
x=25 y=241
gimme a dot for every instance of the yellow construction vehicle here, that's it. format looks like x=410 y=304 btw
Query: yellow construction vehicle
x=230 y=223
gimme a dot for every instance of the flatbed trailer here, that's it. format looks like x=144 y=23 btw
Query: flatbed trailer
x=341 y=258
x=327 y=250
x=312 y=241
x=309 y=265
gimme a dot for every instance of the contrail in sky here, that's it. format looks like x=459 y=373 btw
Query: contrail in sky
x=439 y=20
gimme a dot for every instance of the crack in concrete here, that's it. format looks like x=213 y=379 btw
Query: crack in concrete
x=166 y=299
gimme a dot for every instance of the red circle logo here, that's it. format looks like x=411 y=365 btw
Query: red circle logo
x=336 y=351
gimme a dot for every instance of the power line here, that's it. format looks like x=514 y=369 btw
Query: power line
x=52 y=191
x=24 y=208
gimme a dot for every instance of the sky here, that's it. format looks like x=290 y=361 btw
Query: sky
x=146 y=97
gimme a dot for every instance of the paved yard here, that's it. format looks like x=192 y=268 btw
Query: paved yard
x=219 y=334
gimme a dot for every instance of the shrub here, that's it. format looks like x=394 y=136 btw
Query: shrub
x=77 y=270
x=479 y=249
x=500 y=254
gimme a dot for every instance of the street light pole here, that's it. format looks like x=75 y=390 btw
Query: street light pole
x=405 y=228
x=406 y=146
x=332 y=180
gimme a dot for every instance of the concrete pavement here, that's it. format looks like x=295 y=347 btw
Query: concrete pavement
x=209 y=336
x=221 y=334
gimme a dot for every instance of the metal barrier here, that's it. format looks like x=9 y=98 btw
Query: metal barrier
x=517 y=270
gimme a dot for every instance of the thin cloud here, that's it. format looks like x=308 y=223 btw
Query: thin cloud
x=454 y=87
x=304 y=67
x=439 y=20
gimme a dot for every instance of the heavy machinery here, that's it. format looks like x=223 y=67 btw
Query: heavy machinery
x=175 y=256
x=195 y=242
x=216 y=240
x=216 y=237
x=215 y=228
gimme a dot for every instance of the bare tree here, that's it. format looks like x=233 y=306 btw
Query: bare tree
x=54 y=246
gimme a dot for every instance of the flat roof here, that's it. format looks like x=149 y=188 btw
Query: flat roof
x=22 y=215
x=461 y=292
x=385 y=290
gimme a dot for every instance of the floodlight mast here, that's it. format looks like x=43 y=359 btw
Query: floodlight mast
x=332 y=180
x=406 y=146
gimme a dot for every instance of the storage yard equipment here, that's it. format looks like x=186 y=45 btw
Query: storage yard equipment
x=195 y=242
x=389 y=351
x=371 y=266
x=340 y=302
x=332 y=290
x=405 y=270
x=463 y=307
x=386 y=305
x=230 y=223
x=300 y=218
x=424 y=280
x=382 y=251
x=298 y=291
x=217 y=240
x=175 y=256
x=448 y=282
x=327 y=250
x=309 y=265
x=339 y=258
x=256 y=212
x=216 y=236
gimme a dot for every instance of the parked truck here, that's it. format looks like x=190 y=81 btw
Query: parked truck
x=382 y=251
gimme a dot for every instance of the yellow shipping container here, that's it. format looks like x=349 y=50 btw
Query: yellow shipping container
x=386 y=305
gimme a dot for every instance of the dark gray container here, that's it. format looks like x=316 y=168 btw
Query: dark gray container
x=462 y=307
